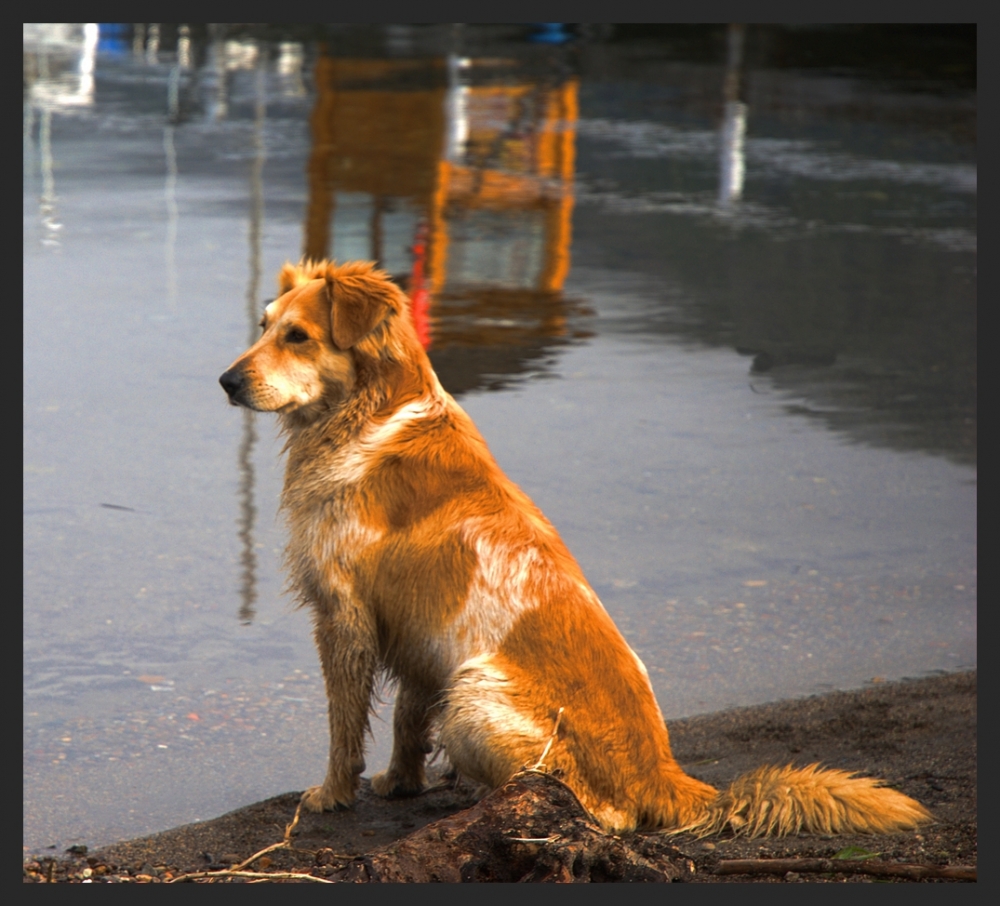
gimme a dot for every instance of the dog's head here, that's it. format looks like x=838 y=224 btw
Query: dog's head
x=306 y=361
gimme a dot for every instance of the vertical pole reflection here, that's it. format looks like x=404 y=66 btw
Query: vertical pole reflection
x=88 y=59
x=153 y=44
x=47 y=200
x=247 y=519
x=218 y=106
x=29 y=146
x=378 y=208
x=456 y=110
x=170 y=189
x=248 y=510
x=47 y=205
x=138 y=38
x=256 y=193
x=734 y=121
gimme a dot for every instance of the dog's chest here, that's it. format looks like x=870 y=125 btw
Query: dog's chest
x=326 y=543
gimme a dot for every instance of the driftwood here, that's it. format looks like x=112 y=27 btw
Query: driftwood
x=531 y=829
x=845 y=866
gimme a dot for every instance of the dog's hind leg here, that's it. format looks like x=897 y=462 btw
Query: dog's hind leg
x=484 y=733
x=411 y=726
x=347 y=653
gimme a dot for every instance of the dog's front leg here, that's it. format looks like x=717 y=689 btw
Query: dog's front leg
x=411 y=723
x=347 y=651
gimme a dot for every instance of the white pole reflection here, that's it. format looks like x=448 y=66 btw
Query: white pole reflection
x=257 y=192
x=731 y=155
x=184 y=47
x=734 y=122
x=50 y=91
x=170 y=190
x=218 y=107
x=456 y=110
x=138 y=38
x=28 y=151
x=153 y=44
x=289 y=66
x=47 y=203
x=248 y=509
x=170 y=152
x=88 y=58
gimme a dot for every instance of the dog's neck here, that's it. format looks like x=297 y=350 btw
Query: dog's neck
x=383 y=387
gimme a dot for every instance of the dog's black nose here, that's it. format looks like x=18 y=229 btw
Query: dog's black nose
x=232 y=382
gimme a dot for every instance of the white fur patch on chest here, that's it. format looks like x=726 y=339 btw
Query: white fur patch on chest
x=357 y=456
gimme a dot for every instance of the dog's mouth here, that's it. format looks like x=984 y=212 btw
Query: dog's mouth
x=240 y=392
x=241 y=402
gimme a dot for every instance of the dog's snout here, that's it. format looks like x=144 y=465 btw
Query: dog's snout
x=232 y=382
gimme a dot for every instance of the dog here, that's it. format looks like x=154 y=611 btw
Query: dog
x=419 y=557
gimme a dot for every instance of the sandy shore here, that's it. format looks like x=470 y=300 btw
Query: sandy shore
x=919 y=736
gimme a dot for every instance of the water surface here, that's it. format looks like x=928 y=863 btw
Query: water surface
x=712 y=307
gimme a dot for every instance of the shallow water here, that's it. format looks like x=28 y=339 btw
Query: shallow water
x=739 y=375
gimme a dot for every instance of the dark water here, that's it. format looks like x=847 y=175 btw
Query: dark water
x=709 y=294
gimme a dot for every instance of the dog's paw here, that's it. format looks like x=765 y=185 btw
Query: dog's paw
x=319 y=799
x=392 y=786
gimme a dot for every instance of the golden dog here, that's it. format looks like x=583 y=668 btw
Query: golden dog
x=418 y=556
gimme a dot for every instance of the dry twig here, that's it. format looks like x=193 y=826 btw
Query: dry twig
x=238 y=871
x=259 y=875
x=540 y=764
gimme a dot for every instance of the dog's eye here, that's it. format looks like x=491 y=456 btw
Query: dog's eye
x=296 y=335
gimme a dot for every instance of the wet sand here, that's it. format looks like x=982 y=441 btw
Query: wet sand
x=918 y=735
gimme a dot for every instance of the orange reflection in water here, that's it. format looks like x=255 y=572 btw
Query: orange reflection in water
x=456 y=175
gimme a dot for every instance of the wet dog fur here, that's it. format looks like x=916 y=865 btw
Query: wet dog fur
x=419 y=557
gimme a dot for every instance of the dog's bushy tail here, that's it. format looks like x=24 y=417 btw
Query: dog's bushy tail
x=775 y=801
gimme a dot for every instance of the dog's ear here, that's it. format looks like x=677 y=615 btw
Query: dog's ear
x=292 y=275
x=360 y=302
x=289 y=277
